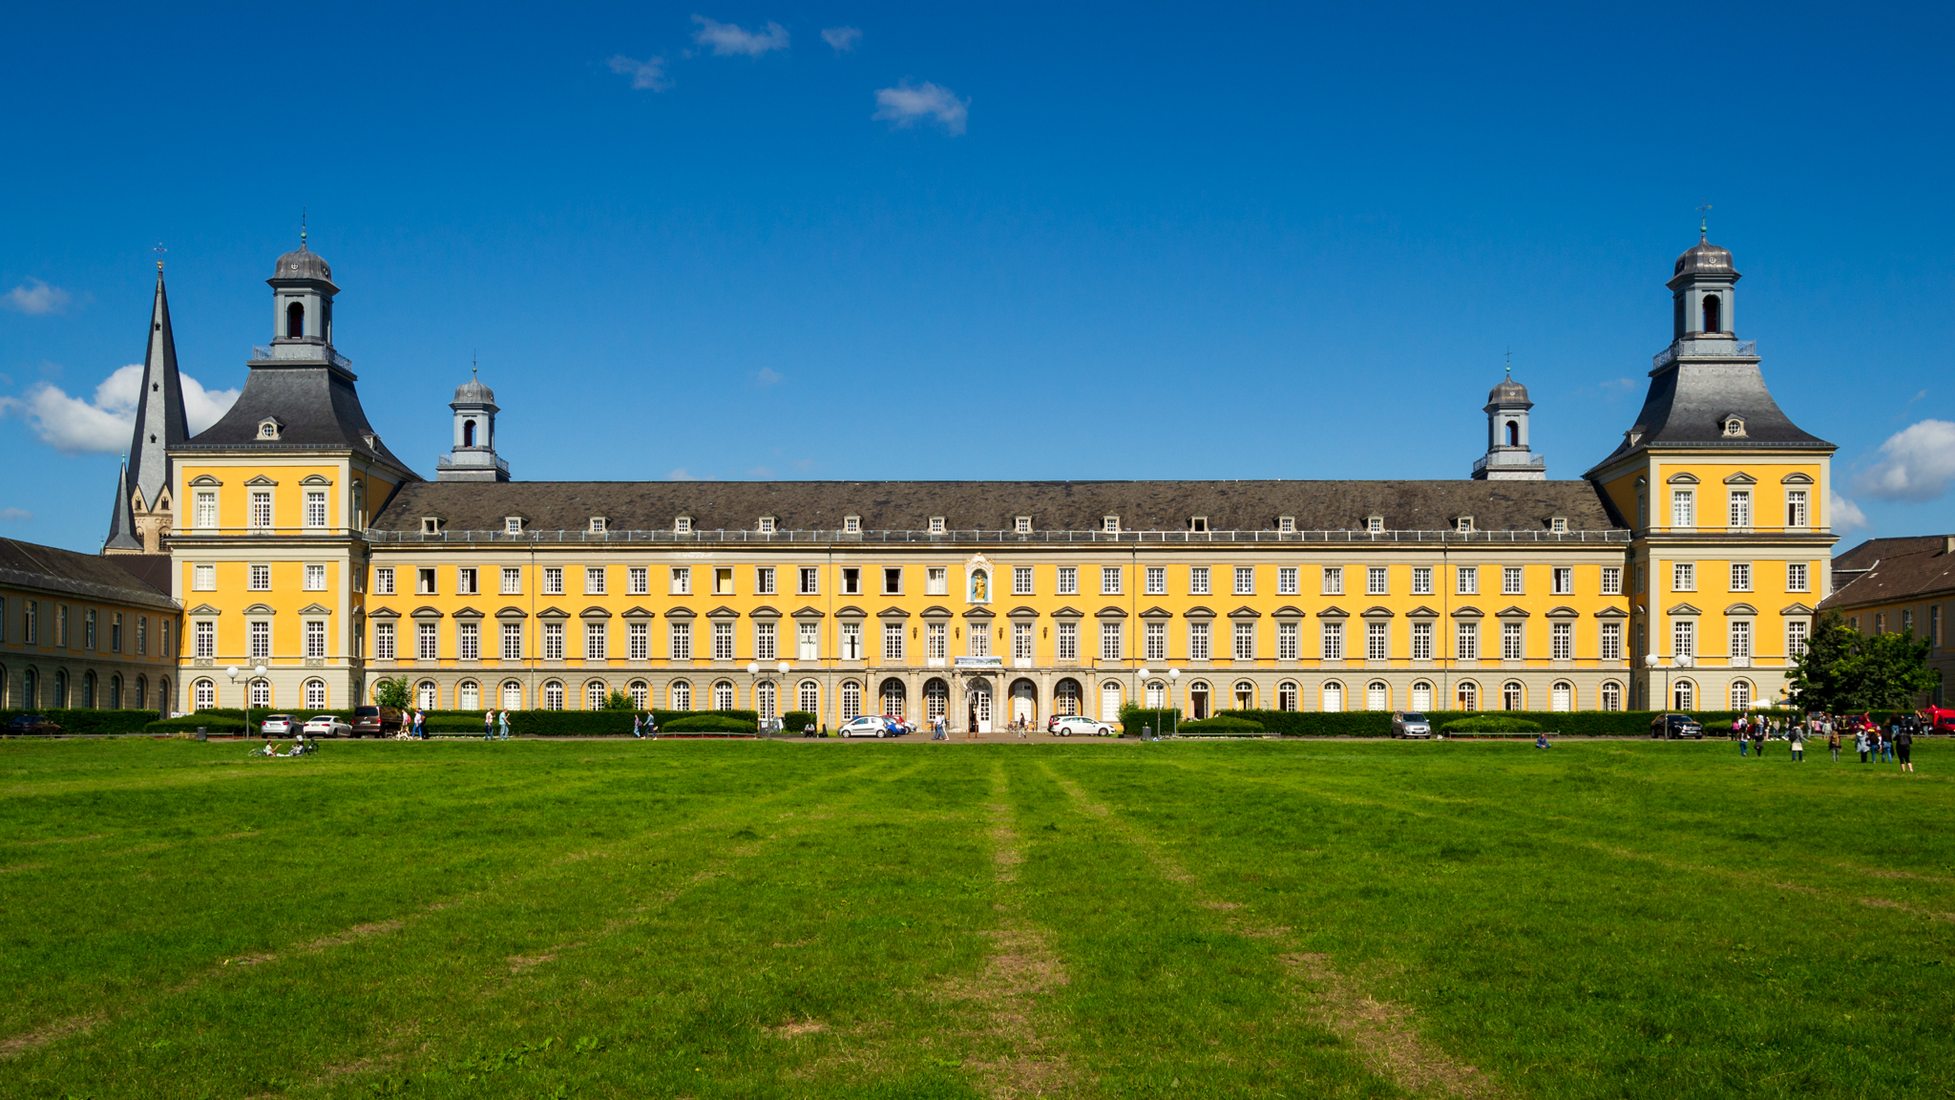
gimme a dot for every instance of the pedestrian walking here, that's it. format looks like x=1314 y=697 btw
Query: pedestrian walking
x=489 y=724
x=637 y=726
x=937 y=729
x=1833 y=743
x=420 y=725
x=503 y=720
x=1758 y=739
x=1887 y=746
x=1798 y=741
x=1904 y=748
x=651 y=725
x=1860 y=744
x=1744 y=739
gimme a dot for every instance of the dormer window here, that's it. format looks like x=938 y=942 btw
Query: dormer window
x=512 y=525
x=597 y=525
x=1286 y=524
x=269 y=428
x=766 y=526
x=1374 y=524
x=1559 y=525
x=682 y=525
x=936 y=525
x=1197 y=524
x=1733 y=427
x=1110 y=525
x=1023 y=525
x=851 y=525
x=1463 y=525
x=431 y=525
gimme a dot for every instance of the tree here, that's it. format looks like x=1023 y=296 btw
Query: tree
x=391 y=692
x=1844 y=670
x=617 y=701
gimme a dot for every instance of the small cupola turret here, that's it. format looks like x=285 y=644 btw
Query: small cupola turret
x=1704 y=289
x=302 y=297
x=1508 y=456
x=473 y=454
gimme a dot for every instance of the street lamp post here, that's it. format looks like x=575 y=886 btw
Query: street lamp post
x=1174 y=712
x=1650 y=662
x=232 y=672
x=753 y=689
x=1140 y=688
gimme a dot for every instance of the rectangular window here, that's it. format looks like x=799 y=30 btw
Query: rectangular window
x=512 y=581
x=1377 y=641
x=638 y=581
x=88 y=629
x=1286 y=580
x=765 y=647
x=1561 y=641
x=206 y=508
x=935 y=641
x=978 y=641
x=1795 y=638
x=1795 y=508
x=638 y=641
x=936 y=581
x=597 y=642
x=424 y=582
x=1068 y=645
x=1683 y=638
x=315 y=507
x=1154 y=642
x=203 y=639
x=1510 y=581
x=261 y=507
x=1795 y=576
x=1740 y=576
x=1740 y=508
x=1683 y=508
x=315 y=638
x=1376 y=580
x=1245 y=580
x=203 y=578
x=1333 y=631
x=763 y=580
x=258 y=578
x=1612 y=641
x=1612 y=580
x=467 y=581
x=594 y=580
x=1288 y=647
x=1112 y=578
x=1564 y=580
x=1469 y=580
x=1510 y=642
x=1068 y=580
x=1198 y=580
x=30 y=624
x=1157 y=580
x=553 y=580
x=1198 y=641
x=383 y=580
x=468 y=641
x=259 y=640
x=1021 y=580
x=722 y=641
x=723 y=580
x=1021 y=641
x=1110 y=641
x=1422 y=641
x=1683 y=576
x=1244 y=639
x=1466 y=641
x=553 y=641
x=315 y=578
x=851 y=582
x=682 y=580
x=809 y=580
x=512 y=641
x=1333 y=580
x=1740 y=639
x=807 y=641
x=425 y=641
x=852 y=640
x=383 y=641
x=1422 y=580
x=892 y=581
x=892 y=643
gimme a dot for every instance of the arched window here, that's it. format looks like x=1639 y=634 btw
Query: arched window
x=512 y=695
x=88 y=690
x=1467 y=697
x=1286 y=695
x=1561 y=697
x=851 y=699
x=260 y=692
x=1684 y=695
x=294 y=321
x=936 y=699
x=553 y=695
x=763 y=694
x=1512 y=696
x=681 y=692
x=1422 y=696
x=203 y=694
x=468 y=433
x=1513 y=433
x=1741 y=695
x=723 y=695
x=3 y=687
x=469 y=695
x=808 y=698
x=315 y=694
x=60 y=689
x=1066 y=697
x=595 y=695
x=1245 y=695
x=640 y=694
x=1333 y=696
x=141 y=701
x=1197 y=699
x=30 y=690
x=1611 y=695
x=1713 y=313
x=425 y=695
x=895 y=701
x=1377 y=696
x=115 y=692
x=1156 y=694
x=164 y=701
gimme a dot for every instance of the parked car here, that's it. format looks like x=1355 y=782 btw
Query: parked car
x=1411 y=724
x=1080 y=723
x=903 y=725
x=376 y=721
x=32 y=723
x=327 y=725
x=1669 y=727
x=1938 y=719
x=276 y=725
x=867 y=725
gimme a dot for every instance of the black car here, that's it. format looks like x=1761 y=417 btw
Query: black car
x=1673 y=726
x=33 y=723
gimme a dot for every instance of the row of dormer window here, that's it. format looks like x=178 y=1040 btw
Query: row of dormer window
x=1021 y=525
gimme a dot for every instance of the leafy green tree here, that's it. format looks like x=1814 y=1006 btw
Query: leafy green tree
x=617 y=701
x=391 y=692
x=1845 y=670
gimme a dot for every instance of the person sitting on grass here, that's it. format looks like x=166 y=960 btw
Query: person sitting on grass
x=1541 y=741
x=268 y=750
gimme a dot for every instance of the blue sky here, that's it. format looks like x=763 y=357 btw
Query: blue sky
x=983 y=241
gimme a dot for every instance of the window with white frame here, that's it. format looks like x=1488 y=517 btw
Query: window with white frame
x=1795 y=508
x=722 y=641
x=851 y=699
x=1198 y=580
x=1333 y=636
x=638 y=581
x=807 y=641
x=1286 y=525
x=1111 y=636
x=1612 y=641
x=383 y=641
x=851 y=581
x=1287 y=644
x=936 y=644
x=383 y=580
x=1377 y=641
x=206 y=508
x=1683 y=508
x=1795 y=576
x=1740 y=507
x=512 y=525
x=1561 y=641
x=1068 y=580
x=722 y=580
x=1021 y=580
x=681 y=695
x=1287 y=583
x=682 y=580
x=1510 y=581
x=1377 y=580
x=766 y=646
x=936 y=581
x=258 y=578
x=1333 y=580
x=1466 y=640
x=468 y=641
x=1740 y=576
x=315 y=694
x=763 y=580
x=1796 y=631
x=1021 y=641
x=1683 y=576
x=851 y=525
x=424 y=582
x=1683 y=638
x=261 y=508
x=1558 y=525
x=1374 y=524
x=1422 y=641
x=1564 y=580
x=599 y=525
x=203 y=637
x=1612 y=580
x=467 y=581
x=1198 y=641
x=1244 y=642
x=426 y=642
x=1154 y=641
x=315 y=507
x=1469 y=580
x=679 y=640
x=1245 y=580
x=1110 y=524
x=808 y=580
x=765 y=525
x=553 y=641
x=852 y=641
x=1510 y=641
x=892 y=643
x=512 y=581
x=892 y=580
x=1611 y=695
x=1422 y=580
x=1066 y=648
x=1463 y=525
x=512 y=641
x=936 y=525
x=597 y=642
x=977 y=640
x=1112 y=578
x=553 y=580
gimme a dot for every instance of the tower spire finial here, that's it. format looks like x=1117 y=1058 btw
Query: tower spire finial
x=1704 y=222
x=1510 y=364
x=159 y=250
x=302 y=213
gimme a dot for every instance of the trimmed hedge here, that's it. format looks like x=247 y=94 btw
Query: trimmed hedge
x=528 y=723
x=797 y=721
x=1222 y=723
x=1161 y=720
x=1490 y=723
x=722 y=722
x=1574 y=723
x=73 y=720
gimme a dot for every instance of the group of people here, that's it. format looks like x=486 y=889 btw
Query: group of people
x=491 y=722
x=301 y=746
x=644 y=725
x=1892 y=744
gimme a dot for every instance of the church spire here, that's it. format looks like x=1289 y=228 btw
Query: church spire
x=122 y=521
x=160 y=425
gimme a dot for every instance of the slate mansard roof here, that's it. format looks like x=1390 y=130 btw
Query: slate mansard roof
x=315 y=405
x=1893 y=571
x=140 y=579
x=993 y=506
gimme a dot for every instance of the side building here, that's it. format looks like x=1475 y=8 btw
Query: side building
x=85 y=631
x=1905 y=584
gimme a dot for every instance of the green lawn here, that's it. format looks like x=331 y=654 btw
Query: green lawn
x=742 y=919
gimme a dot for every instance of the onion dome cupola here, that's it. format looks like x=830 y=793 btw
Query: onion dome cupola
x=302 y=297
x=473 y=454
x=1703 y=287
x=1508 y=456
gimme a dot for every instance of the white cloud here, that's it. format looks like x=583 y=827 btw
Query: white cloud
x=906 y=103
x=1916 y=463
x=15 y=515
x=103 y=423
x=646 y=76
x=1847 y=515
x=37 y=298
x=728 y=40
x=768 y=376
x=683 y=474
x=843 y=39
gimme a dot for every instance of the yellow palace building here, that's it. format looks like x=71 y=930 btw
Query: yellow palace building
x=1683 y=567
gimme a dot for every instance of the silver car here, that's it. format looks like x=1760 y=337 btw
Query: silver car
x=326 y=725
x=1411 y=724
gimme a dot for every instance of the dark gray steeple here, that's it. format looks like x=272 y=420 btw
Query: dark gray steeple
x=122 y=519
x=142 y=511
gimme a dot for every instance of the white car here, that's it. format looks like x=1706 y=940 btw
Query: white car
x=276 y=725
x=325 y=725
x=866 y=725
x=1079 y=723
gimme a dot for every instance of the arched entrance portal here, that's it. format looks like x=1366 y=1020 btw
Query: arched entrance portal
x=1065 y=697
x=895 y=699
x=1024 y=703
x=936 y=700
x=978 y=699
